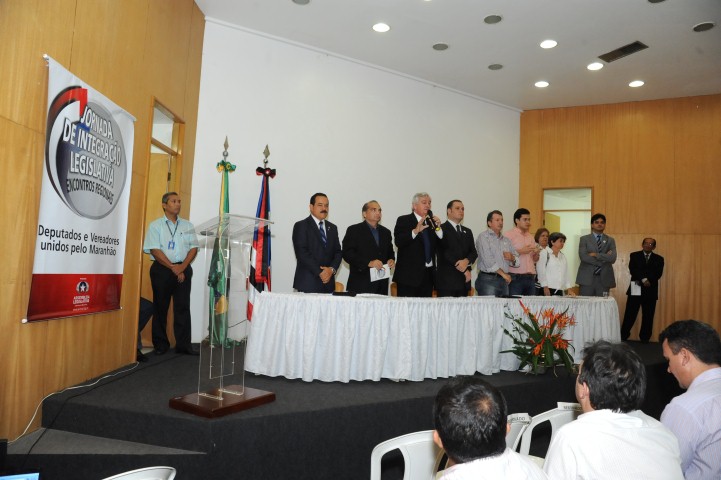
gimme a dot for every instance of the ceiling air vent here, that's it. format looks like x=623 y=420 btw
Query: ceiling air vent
x=622 y=52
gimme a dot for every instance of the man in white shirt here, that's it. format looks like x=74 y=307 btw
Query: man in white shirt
x=612 y=439
x=470 y=419
x=693 y=351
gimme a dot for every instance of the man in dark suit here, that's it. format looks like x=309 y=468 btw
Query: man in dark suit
x=456 y=254
x=416 y=241
x=597 y=252
x=317 y=249
x=368 y=245
x=646 y=269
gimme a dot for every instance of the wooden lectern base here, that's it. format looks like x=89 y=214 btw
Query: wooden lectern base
x=210 y=408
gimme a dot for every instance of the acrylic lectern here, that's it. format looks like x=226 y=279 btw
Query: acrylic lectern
x=225 y=243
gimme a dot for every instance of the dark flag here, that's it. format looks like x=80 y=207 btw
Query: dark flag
x=259 y=277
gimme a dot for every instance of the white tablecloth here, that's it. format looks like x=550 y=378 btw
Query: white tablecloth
x=369 y=337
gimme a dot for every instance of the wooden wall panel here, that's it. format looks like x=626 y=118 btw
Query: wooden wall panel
x=104 y=42
x=697 y=152
x=117 y=45
x=654 y=168
x=23 y=344
x=29 y=29
x=166 y=51
x=529 y=148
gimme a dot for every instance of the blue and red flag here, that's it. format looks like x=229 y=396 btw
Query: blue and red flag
x=259 y=277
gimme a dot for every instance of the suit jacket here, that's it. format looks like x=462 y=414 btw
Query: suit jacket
x=359 y=249
x=451 y=248
x=311 y=255
x=651 y=271
x=411 y=260
x=587 y=244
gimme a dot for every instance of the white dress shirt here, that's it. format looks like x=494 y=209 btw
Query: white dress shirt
x=603 y=444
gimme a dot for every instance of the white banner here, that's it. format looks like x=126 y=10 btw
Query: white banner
x=80 y=245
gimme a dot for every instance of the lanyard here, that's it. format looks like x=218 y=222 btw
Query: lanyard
x=172 y=233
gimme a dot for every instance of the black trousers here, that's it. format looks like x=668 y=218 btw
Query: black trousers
x=425 y=289
x=166 y=287
x=648 y=310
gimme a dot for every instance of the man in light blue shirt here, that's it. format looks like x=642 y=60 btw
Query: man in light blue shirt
x=495 y=255
x=693 y=351
x=172 y=245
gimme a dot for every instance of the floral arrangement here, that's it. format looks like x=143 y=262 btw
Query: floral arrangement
x=538 y=338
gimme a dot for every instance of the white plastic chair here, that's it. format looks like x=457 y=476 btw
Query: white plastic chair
x=565 y=412
x=421 y=455
x=149 y=473
x=518 y=422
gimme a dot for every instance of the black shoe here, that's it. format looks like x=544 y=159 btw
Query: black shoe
x=140 y=357
x=187 y=351
x=161 y=350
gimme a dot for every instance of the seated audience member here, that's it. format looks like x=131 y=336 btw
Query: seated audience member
x=146 y=312
x=552 y=267
x=470 y=420
x=693 y=351
x=613 y=439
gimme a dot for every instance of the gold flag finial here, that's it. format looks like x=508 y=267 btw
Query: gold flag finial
x=266 y=154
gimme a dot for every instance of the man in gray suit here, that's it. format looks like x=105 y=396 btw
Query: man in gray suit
x=598 y=253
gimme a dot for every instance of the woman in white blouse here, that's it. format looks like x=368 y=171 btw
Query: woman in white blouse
x=552 y=267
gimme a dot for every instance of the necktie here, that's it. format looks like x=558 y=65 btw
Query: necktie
x=648 y=256
x=427 y=246
x=597 y=270
x=322 y=233
x=458 y=229
x=376 y=237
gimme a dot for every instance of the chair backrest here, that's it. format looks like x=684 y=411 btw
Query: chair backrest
x=149 y=473
x=559 y=416
x=421 y=455
x=518 y=422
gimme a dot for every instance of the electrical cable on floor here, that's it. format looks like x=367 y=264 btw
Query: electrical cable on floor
x=135 y=365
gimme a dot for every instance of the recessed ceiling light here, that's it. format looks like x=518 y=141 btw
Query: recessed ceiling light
x=381 y=27
x=636 y=83
x=440 y=46
x=541 y=84
x=301 y=2
x=495 y=66
x=491 y=19
x=702 y=27
x=595 y=66
x=548 y=43
x=656 y=1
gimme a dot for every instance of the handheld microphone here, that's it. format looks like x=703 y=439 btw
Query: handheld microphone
x=430 y=222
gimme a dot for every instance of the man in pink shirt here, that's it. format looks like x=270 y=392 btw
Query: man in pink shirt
x=523 y=277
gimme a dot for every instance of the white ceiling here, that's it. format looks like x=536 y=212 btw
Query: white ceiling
x=678 y=63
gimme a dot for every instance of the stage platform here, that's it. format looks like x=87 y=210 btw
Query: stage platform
x=314 y=430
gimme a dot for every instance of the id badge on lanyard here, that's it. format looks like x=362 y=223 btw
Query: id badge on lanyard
x=171 y=242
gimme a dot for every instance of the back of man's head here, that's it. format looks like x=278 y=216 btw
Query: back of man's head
x=697 y=337
x=470 y=416
x=615 y=375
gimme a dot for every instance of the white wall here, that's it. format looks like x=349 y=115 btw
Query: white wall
x=352 y=131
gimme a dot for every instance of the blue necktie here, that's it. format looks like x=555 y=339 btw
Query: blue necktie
x=427 y=246
x=376 y=237
x=322 y=233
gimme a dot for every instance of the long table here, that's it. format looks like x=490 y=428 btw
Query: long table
x=369 y=337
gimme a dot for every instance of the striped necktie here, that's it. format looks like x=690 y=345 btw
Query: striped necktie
x=597 y=270
x=322 y=233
